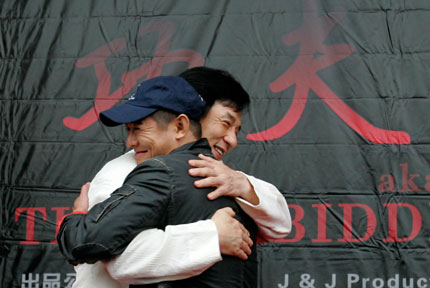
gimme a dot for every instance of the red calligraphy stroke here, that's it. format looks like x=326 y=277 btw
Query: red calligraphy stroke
x=150 y=69
x=303 y=73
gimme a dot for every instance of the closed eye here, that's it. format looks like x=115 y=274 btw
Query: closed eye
x=227 y=123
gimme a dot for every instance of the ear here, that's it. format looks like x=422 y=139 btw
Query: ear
x=181 y=126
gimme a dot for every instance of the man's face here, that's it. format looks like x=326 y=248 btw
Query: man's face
x=148 y=139
x=220 y=126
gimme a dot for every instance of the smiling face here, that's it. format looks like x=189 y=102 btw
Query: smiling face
x=220 y=126
x=148 y=139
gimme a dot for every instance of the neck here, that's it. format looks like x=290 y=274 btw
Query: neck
x=187 y=139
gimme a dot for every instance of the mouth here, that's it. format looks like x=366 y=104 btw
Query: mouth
x=218 y=152
x=139 y=155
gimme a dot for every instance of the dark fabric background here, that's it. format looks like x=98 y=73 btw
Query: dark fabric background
x=373 y=56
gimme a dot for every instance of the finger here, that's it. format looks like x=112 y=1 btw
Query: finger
x=242 y=255
x=199 y=163
x=245 y=231
x=206 y=182
x=85 y=188
x=207 y=158
x=245 y=248
x=246 y=236
x=248 y=241
x=201 y=172
x=216 y=193
x=229 y=211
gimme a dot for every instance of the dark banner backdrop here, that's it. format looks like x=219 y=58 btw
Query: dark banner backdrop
x=338 y=122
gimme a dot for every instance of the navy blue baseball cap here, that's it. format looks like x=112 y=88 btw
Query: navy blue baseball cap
x=164 y=92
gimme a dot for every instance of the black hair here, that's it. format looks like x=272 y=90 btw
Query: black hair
x=164 y=117
x=217 y=85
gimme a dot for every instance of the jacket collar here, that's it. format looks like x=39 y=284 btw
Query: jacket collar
x=200 y=146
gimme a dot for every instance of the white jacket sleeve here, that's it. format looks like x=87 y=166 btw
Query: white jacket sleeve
x=179 y=252
x=95 y=275
x=271 y=215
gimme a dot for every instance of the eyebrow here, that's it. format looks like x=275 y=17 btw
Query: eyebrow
x=232 y=118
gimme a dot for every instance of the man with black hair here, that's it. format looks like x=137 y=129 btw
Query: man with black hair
x=163 y=129
x=156 y=255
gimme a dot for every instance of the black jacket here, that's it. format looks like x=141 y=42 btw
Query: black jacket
x=157 y=193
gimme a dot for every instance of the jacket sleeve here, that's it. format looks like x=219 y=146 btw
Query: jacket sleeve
x=271 y=215
x=108 y=227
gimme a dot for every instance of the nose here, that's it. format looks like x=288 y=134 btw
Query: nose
x=131 y=139
x=231 y=138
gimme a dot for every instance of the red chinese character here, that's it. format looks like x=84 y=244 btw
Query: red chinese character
x=303 y=73
x=150 y=69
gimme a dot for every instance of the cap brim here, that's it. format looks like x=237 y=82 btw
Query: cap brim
x=124 y=114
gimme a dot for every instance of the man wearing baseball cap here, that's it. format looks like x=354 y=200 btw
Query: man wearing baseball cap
x=169 y=93
x=162 y=122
